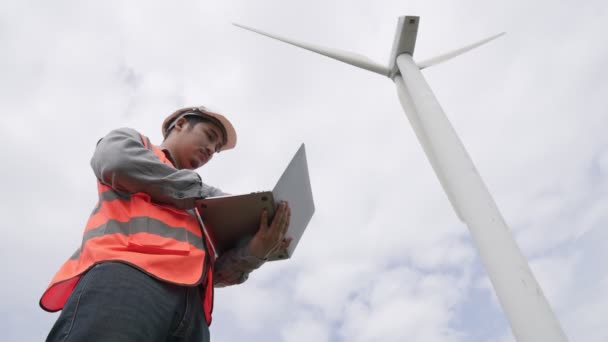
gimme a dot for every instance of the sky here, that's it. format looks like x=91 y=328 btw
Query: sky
x=384 y=258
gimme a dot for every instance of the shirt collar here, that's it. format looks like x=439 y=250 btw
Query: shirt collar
x=170 y=157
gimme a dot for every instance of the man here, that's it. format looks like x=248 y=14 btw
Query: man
x=146 y=268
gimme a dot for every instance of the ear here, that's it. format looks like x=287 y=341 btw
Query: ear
x=180 y=124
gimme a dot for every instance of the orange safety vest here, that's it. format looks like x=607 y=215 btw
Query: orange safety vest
x=165 y=242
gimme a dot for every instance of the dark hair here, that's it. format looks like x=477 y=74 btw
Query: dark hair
x=192 y=120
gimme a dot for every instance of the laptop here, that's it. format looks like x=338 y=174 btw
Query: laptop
x=232 y=220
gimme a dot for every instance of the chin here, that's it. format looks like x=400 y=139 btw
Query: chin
x=193 y=165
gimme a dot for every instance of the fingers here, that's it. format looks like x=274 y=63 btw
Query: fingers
x=271 y=238
x=281 y=218
x=287 y=220
x=281 y=246
x=283 y=223
x=285 y=243
x=264 y=219
x=280 y=222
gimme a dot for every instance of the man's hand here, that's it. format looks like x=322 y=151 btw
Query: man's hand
x=270 y=239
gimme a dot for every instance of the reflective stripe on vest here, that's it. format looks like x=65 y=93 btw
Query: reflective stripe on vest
x=161 y=240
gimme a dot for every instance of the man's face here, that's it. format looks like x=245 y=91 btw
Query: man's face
x=196 y=143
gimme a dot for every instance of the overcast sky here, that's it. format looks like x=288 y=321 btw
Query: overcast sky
x=384 y=258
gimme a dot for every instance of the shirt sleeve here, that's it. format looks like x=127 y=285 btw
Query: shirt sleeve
x=233 y=266
x=122 y=162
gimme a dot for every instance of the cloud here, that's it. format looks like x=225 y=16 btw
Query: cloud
x=306 y=329
x=399 y=305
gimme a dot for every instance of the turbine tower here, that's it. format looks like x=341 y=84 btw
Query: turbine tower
x=518 y=292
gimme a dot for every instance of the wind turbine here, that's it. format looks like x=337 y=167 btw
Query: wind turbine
x=518 y=292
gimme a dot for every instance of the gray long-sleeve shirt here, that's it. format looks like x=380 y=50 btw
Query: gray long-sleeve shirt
x=122 y=162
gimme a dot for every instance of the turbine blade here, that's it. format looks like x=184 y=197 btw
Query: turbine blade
x=442 y=58
x=340 y=55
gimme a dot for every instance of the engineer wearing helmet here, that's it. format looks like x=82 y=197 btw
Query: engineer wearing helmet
x=146 y=269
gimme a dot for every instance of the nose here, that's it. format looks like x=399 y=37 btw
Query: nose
x=209 y=150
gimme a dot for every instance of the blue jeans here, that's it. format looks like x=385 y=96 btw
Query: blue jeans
x=116 y=302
